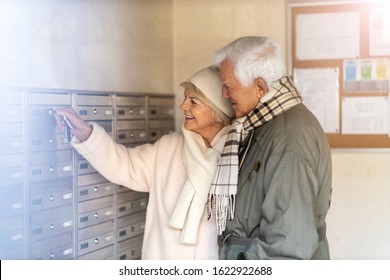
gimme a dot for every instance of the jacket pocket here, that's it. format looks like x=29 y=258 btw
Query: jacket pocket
x=250 y=191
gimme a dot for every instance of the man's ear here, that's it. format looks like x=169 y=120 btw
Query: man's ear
x=261 y=86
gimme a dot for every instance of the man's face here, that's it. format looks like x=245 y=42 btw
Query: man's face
x=244 y=99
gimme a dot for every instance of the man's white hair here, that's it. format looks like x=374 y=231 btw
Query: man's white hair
x=254 y=57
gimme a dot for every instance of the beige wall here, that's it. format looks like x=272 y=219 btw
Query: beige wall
x=202 y=26
x=153 y=45
x=106 y=45
x=359 y=217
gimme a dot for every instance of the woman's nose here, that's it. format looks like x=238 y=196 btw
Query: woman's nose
x=183 y=105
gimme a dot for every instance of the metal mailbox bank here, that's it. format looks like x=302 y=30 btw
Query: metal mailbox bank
x=53 y=203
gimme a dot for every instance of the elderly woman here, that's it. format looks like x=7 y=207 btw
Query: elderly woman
x=177 y=170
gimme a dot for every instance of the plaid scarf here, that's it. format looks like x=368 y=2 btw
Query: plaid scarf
x=221 y=197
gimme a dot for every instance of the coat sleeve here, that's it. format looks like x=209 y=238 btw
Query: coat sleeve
x=130 y=167
x=288 y=214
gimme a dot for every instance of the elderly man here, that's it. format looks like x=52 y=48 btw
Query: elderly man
x=272 y=188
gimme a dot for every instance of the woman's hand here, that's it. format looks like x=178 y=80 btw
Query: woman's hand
x=80 y=129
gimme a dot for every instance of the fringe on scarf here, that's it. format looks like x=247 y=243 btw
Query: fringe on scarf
x=223 y=208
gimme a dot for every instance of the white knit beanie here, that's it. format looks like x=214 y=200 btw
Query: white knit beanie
x=208 y=81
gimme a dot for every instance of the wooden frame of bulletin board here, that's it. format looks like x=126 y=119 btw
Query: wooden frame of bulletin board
x=360 y=106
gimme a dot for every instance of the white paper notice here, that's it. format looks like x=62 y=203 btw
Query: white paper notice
x=327 y=36
x=319 y=88
x=380 y=32
x=365 y=115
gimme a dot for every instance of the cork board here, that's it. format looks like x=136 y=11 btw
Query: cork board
x=301 y=57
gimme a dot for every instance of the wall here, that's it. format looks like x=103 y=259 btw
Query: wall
x=359 y=219
x=87 y=44
x=201 y=27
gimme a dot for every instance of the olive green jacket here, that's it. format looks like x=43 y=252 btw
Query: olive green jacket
x=284 y=190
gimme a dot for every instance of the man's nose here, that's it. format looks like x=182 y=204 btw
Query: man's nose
x=225 y=92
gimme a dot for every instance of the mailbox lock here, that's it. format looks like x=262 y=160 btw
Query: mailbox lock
x=96 y=215
x=51 y=226
x=96 y=241
x=95 y=189
x=51 y=197
x=94 y=111
x=52 y=256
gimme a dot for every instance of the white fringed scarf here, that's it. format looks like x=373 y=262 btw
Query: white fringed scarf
x=200 y=162
x=283 y=95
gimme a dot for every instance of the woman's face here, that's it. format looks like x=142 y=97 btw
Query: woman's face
x=199 y=117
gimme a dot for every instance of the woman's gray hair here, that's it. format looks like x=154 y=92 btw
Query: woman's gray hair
x=220 y=116
x=254 y=57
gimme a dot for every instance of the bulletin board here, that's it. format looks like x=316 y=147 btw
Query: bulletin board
x=339 y=58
